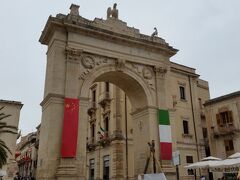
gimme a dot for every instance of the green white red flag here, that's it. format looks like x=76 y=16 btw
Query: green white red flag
x=165 y=135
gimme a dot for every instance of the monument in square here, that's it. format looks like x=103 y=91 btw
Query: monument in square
x=83 y=58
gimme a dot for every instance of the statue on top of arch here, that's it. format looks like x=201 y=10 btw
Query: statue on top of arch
x=112 y=12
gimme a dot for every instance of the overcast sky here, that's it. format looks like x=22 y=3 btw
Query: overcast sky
x=206 y=32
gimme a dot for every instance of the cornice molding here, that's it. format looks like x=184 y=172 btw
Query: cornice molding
x=173 y=69
x=49 y=96
x=64 y=23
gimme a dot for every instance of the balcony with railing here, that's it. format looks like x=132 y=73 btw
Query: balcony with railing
x=104 y=99
x=104 y=139
x=91 y=144
x=225 y=130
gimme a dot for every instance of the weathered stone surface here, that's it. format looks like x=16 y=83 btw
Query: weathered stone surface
x=83 y=53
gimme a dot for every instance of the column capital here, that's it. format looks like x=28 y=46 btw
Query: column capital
x=160 y=70
x=73 y=52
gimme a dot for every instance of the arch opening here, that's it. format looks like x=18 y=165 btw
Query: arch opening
x=125 y=124
x=134 y=86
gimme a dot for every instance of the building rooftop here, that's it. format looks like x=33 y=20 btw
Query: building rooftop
x=111 y=28
x=25 y=140
x=183 y=69
x=222 y=98
x=11 y=102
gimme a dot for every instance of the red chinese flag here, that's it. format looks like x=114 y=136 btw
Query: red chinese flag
x=70 y=128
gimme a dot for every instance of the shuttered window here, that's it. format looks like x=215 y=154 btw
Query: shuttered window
x=229 y=145
x=224 y=118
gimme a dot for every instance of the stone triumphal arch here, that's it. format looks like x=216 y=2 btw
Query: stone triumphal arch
x=81 y=52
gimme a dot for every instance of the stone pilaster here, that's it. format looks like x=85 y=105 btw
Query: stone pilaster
x=98 y=163
x=117 y=141
x=67 y=168
x=161 y=85
x=161 y=72
x=117 y=160
x=72 y=71
x=82 y=134
x=118 y=114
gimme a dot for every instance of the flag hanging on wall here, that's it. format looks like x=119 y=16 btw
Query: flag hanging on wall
x=70 y=128
x=165 y=135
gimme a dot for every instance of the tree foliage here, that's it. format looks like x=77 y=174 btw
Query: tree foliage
x=5 y=128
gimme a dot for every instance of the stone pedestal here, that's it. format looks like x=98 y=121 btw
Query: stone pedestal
x=67 y=169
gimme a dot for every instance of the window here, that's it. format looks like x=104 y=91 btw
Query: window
x=107 y=86
x=94 y=98
x=92 y=132
x=205 y=133
x=229 y=145
x=106 y=125
x=185 y=127
x=224 y=118
x=91 y=169
x=106 y=167
x=189 y=159
x=182 y=92
x=190 y=172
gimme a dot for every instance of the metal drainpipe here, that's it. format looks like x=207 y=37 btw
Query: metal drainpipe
x=193 y=115
x=126 y=130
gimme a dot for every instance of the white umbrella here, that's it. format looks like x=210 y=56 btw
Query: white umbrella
x=211 y=158
x=3 y=173
x=231 y=161
x=234 y=156
x=204 y=163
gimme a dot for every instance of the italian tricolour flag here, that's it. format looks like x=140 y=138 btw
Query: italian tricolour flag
x=165 y=135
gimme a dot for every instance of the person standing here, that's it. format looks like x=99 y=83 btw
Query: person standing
x=238 y=175
x=17 y=177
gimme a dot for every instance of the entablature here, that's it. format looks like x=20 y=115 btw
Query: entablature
x=110 y=30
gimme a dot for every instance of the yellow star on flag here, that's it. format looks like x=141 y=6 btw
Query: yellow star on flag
x=67 y=106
